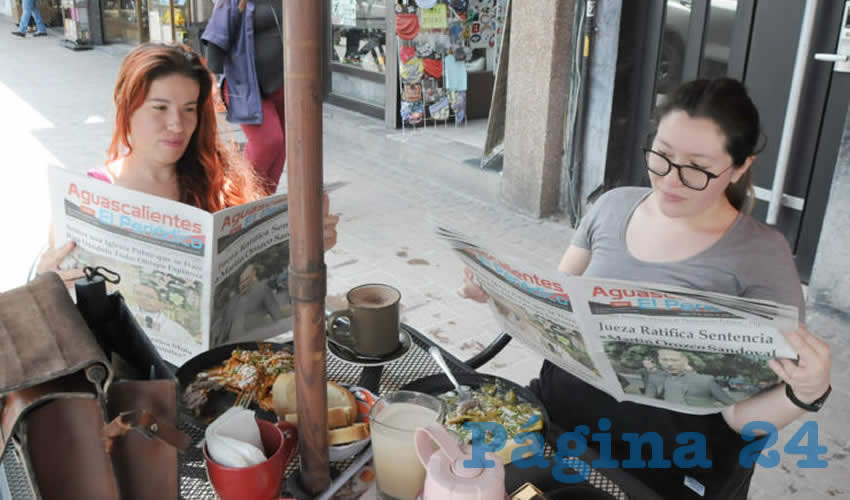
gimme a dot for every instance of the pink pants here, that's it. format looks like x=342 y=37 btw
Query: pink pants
x=266 y=147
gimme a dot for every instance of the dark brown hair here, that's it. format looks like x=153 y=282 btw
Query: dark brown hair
x=725 y=102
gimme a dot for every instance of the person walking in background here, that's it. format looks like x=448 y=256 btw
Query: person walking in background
x=30 y=9
x=244 y=40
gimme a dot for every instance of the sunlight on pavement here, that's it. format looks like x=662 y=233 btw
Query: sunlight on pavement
x=94 y=119
x=23 y=195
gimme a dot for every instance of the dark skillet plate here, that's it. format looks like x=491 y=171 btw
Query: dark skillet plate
x=219 y=401
x=439 y=384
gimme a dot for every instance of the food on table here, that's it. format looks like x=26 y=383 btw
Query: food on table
x=351 y=433
x=492 y=403
x=245 y=371
x=342 y=409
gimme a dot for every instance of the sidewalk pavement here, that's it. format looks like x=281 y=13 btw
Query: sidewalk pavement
x=58 y=109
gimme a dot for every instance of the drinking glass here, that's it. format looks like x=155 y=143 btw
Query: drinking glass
x=393 y=421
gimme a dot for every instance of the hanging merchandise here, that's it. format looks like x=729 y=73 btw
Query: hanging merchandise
x=433 y=67
x=480 y=23
x=455 y=73
x=440 y=110
x=442 y=43
x=412 y=92
x=459 y=6
x=480 y=35
x=412 y=112
x=435 y=18
x=412 y=70
x=474 y=65
x=436 y=39
x=424 y=45
x=431 y=90
x=456 y=40
x=406 y=25
x=457 y=99
x=406 y=53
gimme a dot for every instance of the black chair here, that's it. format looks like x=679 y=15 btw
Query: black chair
x=489 y=352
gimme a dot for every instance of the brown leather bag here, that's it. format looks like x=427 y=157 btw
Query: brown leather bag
x=70 y=424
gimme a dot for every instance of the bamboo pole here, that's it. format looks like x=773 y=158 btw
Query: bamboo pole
x=302 y=54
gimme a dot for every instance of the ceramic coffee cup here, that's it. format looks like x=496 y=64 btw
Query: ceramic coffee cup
x=373 y=314
x=261 y=481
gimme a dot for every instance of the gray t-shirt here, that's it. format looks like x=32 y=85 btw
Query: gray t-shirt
x=750 y=260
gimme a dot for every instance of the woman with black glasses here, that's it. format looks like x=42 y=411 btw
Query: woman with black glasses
x=691 y=229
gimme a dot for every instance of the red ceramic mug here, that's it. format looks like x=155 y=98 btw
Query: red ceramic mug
x=261 y=481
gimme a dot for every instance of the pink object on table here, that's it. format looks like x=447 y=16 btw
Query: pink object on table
x=446 y=478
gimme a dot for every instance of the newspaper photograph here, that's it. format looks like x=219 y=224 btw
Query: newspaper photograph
x=192 y=279
x=251 y=287
x=686 y=350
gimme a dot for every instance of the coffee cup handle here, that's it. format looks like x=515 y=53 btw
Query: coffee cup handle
x=290 y=441
x=332 y=321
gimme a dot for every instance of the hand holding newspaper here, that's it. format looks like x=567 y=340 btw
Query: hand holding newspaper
x=686 y=350
x=193 y=279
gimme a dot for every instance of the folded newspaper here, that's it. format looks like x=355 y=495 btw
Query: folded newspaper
x=686 y=350
x=193 y=279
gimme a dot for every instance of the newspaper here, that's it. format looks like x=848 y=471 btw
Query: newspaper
x=192 y=279
x=686 y=350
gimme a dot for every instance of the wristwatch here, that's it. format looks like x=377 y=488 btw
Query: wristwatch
x=814 y=405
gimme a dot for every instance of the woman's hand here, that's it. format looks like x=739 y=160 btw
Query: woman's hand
x=329 y=223
x=471 y=290
x=809 y=375
x=53 y=257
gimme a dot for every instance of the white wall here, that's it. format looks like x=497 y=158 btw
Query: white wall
x=6 y=7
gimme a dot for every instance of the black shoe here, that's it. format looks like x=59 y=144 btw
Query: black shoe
x=40 y=33
x=18 y=33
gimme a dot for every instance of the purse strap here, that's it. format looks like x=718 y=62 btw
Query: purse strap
x=148 y=425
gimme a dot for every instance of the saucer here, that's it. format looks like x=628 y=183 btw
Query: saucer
x=347 y=357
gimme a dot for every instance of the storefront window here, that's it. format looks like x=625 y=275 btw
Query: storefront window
x=136 y=21
x=718 y=39
x=125 y=20
x=165 y=27
x=672 y=62
x=358 y=33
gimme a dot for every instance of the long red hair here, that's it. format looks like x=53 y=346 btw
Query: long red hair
x=210 y=175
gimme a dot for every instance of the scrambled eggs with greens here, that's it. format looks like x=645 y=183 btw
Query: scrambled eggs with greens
x=490 y=403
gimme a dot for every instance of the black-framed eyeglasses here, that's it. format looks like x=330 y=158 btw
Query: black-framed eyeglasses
x=693 y=177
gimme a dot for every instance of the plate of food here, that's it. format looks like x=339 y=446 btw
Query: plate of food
x=493 y=399
x=211 y=382
x=348 y=414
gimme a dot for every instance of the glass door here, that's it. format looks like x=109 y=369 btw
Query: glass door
x=357 y=55
x=755 y=41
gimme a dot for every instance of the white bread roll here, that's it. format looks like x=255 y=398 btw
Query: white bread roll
x=337 y=417
x=284 y=400
x=354 y=432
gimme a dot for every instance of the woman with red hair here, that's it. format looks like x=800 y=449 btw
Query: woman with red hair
x=166 y=143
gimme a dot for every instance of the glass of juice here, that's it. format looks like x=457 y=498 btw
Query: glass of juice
x=393 y=421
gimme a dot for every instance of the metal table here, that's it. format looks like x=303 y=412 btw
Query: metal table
x=415 y=364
